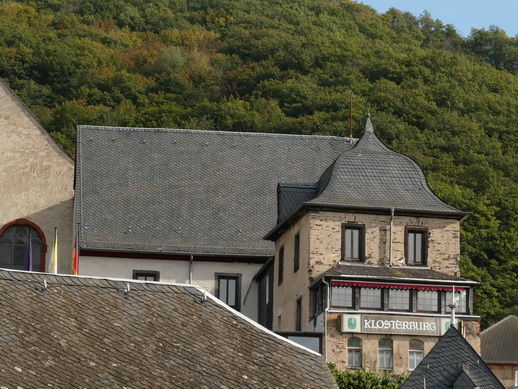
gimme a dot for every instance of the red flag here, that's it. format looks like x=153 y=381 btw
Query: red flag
x=75 y=260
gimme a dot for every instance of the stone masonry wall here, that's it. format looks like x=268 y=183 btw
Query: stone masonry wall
x=337 y=345
x=36 y=176
x=295 y=284
x=326 y=240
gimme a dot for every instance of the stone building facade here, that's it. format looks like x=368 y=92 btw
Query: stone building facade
x=36 y=186
x=369 y=256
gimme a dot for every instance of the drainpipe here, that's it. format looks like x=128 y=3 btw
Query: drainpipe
x=326 y=310
x=391 y=227
x=190 y=269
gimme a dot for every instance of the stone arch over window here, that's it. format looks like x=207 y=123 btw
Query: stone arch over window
x=14 y=243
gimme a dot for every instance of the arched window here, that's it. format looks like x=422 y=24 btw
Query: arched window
x=385 y=354
x=14 y=245
x=415 y=353
x=354 y=352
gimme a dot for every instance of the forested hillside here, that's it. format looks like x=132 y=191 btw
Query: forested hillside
x=289 y=66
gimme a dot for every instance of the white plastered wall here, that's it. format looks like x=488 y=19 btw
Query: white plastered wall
x=203 y=274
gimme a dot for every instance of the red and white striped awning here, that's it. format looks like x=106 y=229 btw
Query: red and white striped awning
x=447 y=288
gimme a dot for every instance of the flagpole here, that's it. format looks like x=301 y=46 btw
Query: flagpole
x=75 y=257
x=53 y=263
x=28 y=259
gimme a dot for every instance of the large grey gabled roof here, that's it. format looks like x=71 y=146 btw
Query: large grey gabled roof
x=82 y=332
x=499 y=343
x=452 y=363
x=188 y=192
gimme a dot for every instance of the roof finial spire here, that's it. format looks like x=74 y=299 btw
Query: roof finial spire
x=368 y=125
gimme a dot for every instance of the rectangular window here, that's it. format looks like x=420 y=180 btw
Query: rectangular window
x=354 y=353
x=281 y=265
x=416 y=247
x=298 y=315
x=415 y=353
x=399 y=300
x=352 y=242
x=146 y=275
x=296 y=253
x=461 y=300
x=342 y=296
x=370 y=298
x=385 y=354
x=229 y=289
x=414 y=357
x=427 y=301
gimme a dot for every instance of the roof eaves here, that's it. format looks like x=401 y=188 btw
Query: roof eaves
x=459 y=215
x=510 y=317
x=406 y=280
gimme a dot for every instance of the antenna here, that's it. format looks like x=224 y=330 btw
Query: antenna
x=453 y=306
x=351 y=114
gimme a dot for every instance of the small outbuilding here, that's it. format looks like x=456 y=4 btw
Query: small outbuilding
x=499 y=347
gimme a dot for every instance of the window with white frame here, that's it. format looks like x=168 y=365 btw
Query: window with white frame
x=416 y=247
x=229 y=289
x=371 y=298
x=354 y=353
x=460 y=297
x=415 y=353
x=399 y=299
x=352 y=242
x=342 y=296
x=427 y=301
x=146 y=275
x=385 y=354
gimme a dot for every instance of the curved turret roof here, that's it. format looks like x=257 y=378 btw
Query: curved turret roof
x=370 y=175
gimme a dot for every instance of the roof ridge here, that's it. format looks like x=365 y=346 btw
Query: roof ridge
x=499 y=322
x=32 y=117
x=35 y=276
x=213 y=132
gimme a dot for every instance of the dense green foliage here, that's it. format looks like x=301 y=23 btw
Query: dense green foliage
x=289 y=66
x=361 y=379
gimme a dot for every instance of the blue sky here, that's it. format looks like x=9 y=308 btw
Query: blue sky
x=463 y=14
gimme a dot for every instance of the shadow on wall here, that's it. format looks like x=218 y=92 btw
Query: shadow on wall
x=59 y=216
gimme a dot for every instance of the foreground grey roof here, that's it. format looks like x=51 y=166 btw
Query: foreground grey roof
x=452 y=363
x=74 y=332
x=499 y=343
x=187 y=191
x=394 y=273
x=368 y=177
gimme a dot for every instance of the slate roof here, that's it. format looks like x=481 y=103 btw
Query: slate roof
x=75 y=332
x=187 y=191
x=395 y=273
x=452 y=363
x=368 y=177
x=499 y=343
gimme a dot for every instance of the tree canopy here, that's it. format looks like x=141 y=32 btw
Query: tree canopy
x=289 y=67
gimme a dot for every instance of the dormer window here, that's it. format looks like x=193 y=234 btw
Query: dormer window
x=352 y=242
x=416 y=246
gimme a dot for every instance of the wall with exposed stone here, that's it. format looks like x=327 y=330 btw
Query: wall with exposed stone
x=337 y=345
x=36 y=177
x=321 y=246
x=326 y=240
